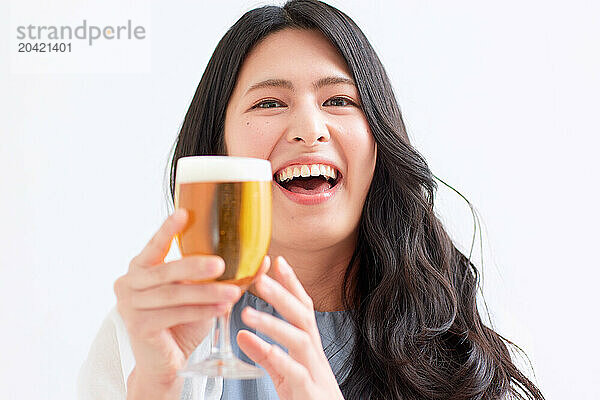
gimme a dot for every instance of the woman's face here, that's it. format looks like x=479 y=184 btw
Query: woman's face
x=296 y=105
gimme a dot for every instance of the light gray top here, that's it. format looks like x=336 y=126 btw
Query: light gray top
x=336 y=335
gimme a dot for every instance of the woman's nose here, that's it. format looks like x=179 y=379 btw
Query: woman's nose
x=309 y=127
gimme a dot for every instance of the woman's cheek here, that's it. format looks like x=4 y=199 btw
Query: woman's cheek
x=256 y=139
x=267 y=132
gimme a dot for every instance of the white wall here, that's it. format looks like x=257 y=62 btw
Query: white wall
x=501 y=97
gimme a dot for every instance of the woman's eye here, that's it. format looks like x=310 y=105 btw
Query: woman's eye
x=338 y=102
x=269 y=104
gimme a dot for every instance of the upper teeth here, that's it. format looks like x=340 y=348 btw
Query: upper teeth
x=305 y=170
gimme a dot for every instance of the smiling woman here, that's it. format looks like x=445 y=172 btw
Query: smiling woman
x=367 y=292
x=314 y=120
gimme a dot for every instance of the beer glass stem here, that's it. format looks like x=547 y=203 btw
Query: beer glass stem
x=221 y=340
x=222 y=362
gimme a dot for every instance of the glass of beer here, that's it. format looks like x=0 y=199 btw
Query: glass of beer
x=229 y=204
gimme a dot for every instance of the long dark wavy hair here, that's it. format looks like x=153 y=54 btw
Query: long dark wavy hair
x=411 y=293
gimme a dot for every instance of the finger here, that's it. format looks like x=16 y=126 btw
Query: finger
x=285 y=275
x=192 y=268
x=148 y=322
x=181 y=294
x=157 y=248
x=299 y=343
x=264 y=266
x=289 y=306
x=279 y=365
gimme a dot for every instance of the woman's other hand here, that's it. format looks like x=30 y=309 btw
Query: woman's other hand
x=303 y=373
x=166 y=319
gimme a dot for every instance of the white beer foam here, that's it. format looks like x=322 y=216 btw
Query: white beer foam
x=222 y=169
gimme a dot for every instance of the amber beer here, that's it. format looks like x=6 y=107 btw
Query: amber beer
x=229 y=205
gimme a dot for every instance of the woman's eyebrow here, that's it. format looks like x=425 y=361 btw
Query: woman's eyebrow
x=333 y=80
x=283 y=83
x=271 y=83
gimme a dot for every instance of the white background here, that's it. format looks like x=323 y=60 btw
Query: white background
x=501 y=97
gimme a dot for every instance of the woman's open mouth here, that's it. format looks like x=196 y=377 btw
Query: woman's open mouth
x=308 y=183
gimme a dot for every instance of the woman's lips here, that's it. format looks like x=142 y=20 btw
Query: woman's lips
x=310 y=199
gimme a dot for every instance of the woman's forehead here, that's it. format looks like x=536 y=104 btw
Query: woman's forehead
x=292 y=55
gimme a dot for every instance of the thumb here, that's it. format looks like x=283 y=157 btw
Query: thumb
x=264 y=267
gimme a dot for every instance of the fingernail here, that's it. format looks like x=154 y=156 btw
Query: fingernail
x=283 y=265
x=216 y=264
x=213 y=269
x=232 y=292
x=207 y=267
x=267 y=261
x=251 y=315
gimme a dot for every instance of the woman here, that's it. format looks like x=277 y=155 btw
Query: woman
x=378 y=303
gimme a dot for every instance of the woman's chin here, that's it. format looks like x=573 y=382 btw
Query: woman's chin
x=309 y=235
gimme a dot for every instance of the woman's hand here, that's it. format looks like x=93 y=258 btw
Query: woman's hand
x=305 y=372
x=167 y=319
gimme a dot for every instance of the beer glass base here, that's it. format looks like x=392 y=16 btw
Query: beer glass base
x=228 y=368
